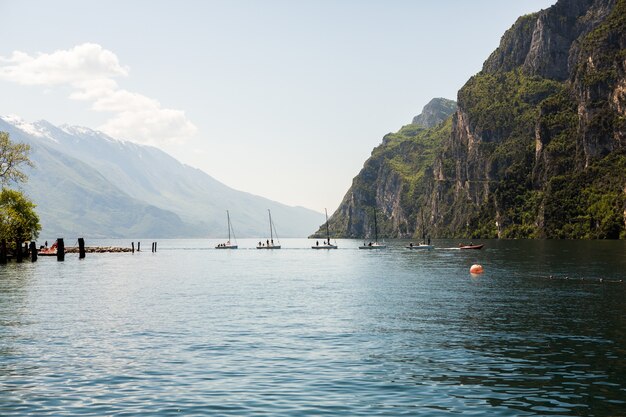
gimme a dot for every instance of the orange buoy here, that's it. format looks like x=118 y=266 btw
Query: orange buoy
x=476 y=269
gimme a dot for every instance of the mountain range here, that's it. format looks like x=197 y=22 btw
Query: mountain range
x=534 y=148
x=86 y=183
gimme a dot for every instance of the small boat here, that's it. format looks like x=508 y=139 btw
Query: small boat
x=422 y=246
x=228 y=244
x=470 y=246
x=326 y=244
x=51 y=251
x=270 y=242
x=374 y=244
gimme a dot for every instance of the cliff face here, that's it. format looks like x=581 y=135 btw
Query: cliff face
x=392 y=181
x=545 y=44
x=536 y=147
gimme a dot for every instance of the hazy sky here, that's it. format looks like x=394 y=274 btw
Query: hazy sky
x=284 y=99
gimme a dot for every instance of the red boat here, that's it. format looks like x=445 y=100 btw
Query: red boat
x=461 y=246
x=51 y=251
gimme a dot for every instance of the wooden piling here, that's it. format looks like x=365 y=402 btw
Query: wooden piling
x=132 y=246
x=60 y=249
x=18 y=251
x=33 y=252
x=155 y=247
x=138 y=246
x=3 y=252
x=81 y=248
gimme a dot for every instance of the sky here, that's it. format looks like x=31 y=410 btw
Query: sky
x=283 y=99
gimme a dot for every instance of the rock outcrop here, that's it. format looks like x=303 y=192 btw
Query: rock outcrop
x=436 y=111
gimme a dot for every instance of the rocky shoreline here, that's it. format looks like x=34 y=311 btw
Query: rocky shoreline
x=93 y=249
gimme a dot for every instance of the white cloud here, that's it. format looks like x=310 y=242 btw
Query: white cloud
x=83 y=62
x=90 y=70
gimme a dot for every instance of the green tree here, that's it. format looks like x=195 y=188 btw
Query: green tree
x=18 y=219
x=12 y=157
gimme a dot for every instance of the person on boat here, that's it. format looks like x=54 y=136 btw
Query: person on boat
x=268 y=242
x=370 y=244
x=46 y=243
x=317 y=243
x=428 y=240
x=272 y=242
x=411 y=244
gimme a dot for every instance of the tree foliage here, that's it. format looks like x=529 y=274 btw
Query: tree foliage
x=18 y=219
x=12 y=157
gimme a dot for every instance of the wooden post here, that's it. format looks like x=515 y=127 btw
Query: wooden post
x=33 y=252
x=81 y=248
x=138 y=246
x=155 y=247
x=3 y=252
x=18 y=251
x=152 y=247
x=60 y=249
x=132 y=246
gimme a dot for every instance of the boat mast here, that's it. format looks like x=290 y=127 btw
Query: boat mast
x=375 y=227
x=271 y=234
x=327 y=232
x=228 y=217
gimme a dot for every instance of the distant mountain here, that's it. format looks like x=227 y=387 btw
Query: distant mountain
x=535 y=149
x=89 y=184
x=436 y=111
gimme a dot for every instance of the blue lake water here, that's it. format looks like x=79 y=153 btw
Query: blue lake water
x=191 y=330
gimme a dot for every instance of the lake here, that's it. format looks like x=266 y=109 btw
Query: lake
x=191 y=330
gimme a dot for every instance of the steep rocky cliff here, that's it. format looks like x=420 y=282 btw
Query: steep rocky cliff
x=535 y=148
x=393 y=178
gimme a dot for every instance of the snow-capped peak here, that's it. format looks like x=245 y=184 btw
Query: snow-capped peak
x=85 y=131
x=33 y=129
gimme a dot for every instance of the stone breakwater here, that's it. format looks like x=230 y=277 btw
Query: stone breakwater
x=99 y=249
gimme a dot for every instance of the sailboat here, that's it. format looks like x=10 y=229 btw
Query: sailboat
x=422 y=245
x=375 y=244
x=228 y=244
x=326 y=244
x=270 y=242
